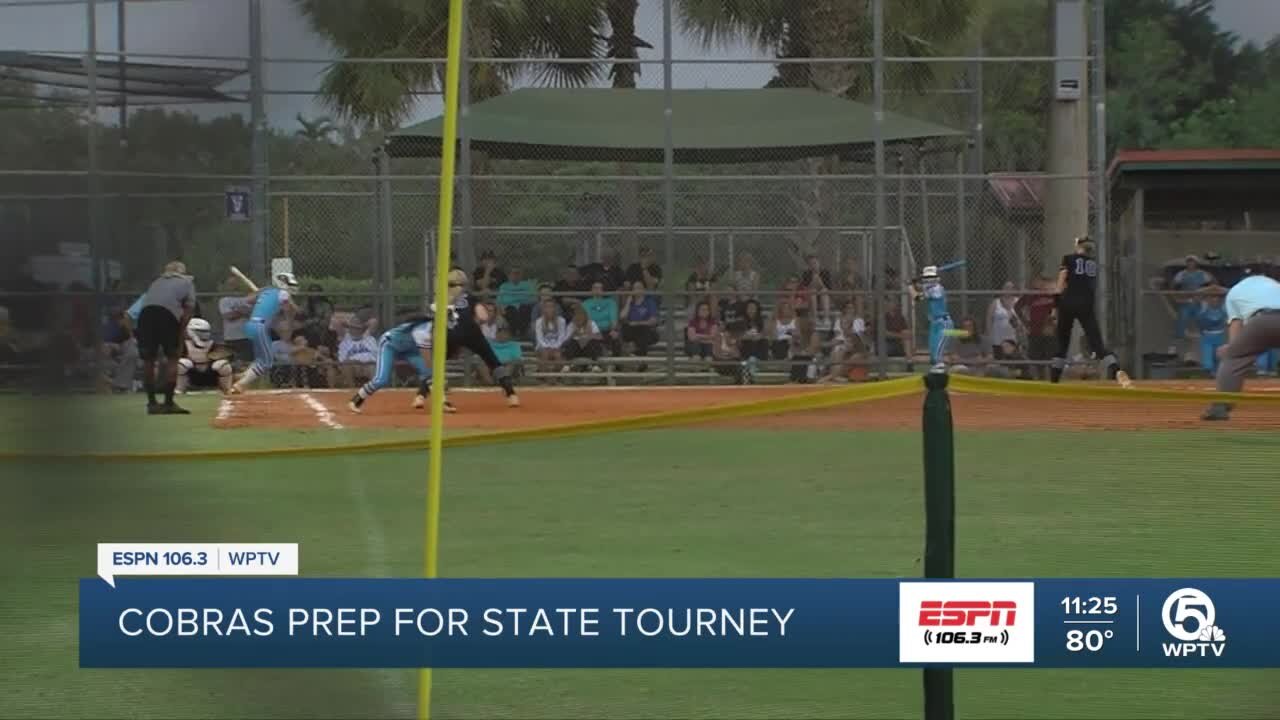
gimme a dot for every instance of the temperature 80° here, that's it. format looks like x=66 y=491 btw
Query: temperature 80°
x=1091 y=640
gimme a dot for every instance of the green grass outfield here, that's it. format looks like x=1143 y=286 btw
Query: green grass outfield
x=680 y=502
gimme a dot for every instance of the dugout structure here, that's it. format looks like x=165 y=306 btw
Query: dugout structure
x=1218 y=205
x=1006 y=479
x=760 y=169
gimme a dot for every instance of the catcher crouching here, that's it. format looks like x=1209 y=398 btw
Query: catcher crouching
x=203 y=365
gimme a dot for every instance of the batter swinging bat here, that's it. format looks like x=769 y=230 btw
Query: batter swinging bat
x=244 y=279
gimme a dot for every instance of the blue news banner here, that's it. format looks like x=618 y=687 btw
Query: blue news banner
x=465 y=623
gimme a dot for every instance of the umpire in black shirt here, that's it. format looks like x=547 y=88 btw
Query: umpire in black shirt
x=1077 y=293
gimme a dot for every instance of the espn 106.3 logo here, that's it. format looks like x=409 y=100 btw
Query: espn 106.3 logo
x=1190 y=617
x=966 y=622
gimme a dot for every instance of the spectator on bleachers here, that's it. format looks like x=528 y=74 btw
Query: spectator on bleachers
x=488 y=277
x=551 y=332
x=745 y=277
x=357 y=354
x=646 y=270
x=732 y=307
x=119 y=353
x=1011 y=353
x=568 y=290
x=753 y=344
x=1002 y=320
x=806 y=345
x=606 y=272
x=282 y=368
x=698 y=286
x=1037 y=313
x=850 y=282
x=968 y=349
x=1190 y=280
x=699 y=334
x=8 y=345
x=897 y=329
x=639 y=319
x=781 y=329
x=817 y=281
x=507 y=349
x=234 y=309
x=516 y=299
x=849 y=342
x=368 y=315
x=489 y=328
x=797 y=297
x=584 y=339
x=307 y=363
x=603 y=311
x=316 y=321
x=726 y=354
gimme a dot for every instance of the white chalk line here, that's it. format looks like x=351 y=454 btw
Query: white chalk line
x=401 y=695
x=323 y=414
x=225 y=410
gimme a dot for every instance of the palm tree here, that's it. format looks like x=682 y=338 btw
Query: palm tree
x=384 y=94
x=317 y=130
x=829 y=29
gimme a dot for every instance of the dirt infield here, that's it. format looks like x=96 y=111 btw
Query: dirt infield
x=487 y=410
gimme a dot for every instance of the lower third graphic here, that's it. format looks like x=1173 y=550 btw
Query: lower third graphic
x=966 y=622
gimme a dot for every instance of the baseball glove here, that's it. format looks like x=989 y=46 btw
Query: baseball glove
x=220 y=352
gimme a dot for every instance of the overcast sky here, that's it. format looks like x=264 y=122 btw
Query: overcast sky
x=218 y=28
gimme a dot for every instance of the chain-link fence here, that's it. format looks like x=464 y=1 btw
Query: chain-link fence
x=833 y=147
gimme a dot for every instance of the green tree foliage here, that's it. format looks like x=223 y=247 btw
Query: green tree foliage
x=384 y=94
x=1152 y=81
x=1175 y=78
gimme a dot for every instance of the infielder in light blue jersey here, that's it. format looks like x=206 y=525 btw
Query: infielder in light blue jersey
x=1253 y=328
x=409 y=341
x=929 y=288
x=267 y=305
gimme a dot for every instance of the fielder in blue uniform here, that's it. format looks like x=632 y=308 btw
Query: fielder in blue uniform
x=409 y=341
x=1212 y=321
x=940 y=323
x=267 y=306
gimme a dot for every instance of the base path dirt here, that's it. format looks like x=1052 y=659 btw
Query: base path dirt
x=541 y=407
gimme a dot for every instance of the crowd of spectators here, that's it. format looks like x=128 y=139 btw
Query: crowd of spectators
x=813 y=326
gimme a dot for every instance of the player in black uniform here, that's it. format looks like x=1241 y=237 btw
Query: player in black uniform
x=466 y=333
x=1077 y=302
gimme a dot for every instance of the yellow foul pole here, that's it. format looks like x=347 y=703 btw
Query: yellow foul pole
x=444 y=235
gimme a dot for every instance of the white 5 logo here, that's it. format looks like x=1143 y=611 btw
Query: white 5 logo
x=1187 y=614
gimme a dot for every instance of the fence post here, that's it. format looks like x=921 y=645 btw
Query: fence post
x=261 y=212
x=668 y=187
x=939 y=523
x=877 y=246
x=386 y=240
x=1101 y=201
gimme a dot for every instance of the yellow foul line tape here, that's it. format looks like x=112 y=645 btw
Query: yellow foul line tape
x=815 y=400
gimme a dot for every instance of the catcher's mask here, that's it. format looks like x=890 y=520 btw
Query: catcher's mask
x=200 y=333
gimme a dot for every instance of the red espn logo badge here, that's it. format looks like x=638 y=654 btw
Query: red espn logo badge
x=958 y=622
x=965 y=613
